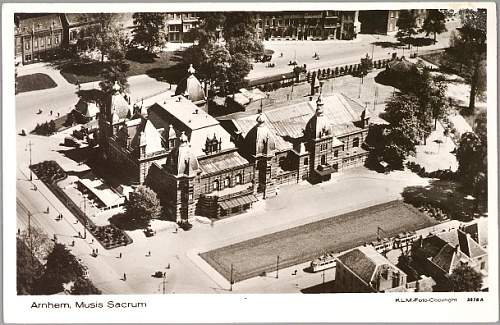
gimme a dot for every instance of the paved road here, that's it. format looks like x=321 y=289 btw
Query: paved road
x=336 y=52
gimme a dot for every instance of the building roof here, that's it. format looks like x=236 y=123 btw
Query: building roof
x=191 y=87
x=260 y=139
x=183 y=115
x=218 y=163
x=38 y=23
x=446 y=249
x=182 y=160
x=75 y=19
x=289 y=122
x=365 y=261
x=87 y=109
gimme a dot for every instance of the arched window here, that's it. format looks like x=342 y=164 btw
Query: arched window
x=227 y=181
x=355 y=142
x=215 y=185
x=238 y=179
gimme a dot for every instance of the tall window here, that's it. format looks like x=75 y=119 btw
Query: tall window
x=238 y=179
x=323 y=159
x=215 y=185
x=306 y=161
x=226 y=182
x=336 y=153
x=355 y=142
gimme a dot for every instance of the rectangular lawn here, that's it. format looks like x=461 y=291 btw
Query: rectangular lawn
x=300 y=244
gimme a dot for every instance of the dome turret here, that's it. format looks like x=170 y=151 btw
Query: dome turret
x=260 y=139
x=318 y=126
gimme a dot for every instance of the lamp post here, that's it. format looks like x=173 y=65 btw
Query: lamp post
x=31 y=172
x=277 y=265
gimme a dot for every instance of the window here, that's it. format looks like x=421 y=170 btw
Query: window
x=191 y=196
x=49 y=41
x=306 y=161
x=35 y=43
x=41 y=42
x=57 y=40
x=355 y=142
x=323 y=159
x=336 y=153
x=227 y=182
x=238 y=179
x=27 y=45
x=483 y=264
x=215 y=185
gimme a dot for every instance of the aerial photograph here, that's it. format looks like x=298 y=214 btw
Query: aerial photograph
x=306 y=152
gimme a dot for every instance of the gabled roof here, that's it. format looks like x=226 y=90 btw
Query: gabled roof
x=39 y=23
x=191 y=87
x=75 y=19
x=366 y=262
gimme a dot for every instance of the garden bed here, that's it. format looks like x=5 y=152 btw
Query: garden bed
x=36 y=81
x=50 y=173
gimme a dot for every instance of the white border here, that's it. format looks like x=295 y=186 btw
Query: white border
x=256 y=307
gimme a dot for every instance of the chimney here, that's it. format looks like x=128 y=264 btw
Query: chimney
x=310 y=98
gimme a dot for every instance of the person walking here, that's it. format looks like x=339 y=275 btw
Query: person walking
x=120 y=255
x=124 y=277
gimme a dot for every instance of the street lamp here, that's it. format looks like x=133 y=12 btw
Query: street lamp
x=31 y=172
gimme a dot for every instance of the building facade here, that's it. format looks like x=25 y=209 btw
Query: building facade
x=79 y=30
x=307 y=25
x=385 y=21
x=178 y=24
x=199 y=167
x=37 y=36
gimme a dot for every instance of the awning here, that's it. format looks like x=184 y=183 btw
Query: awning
x=238 y=201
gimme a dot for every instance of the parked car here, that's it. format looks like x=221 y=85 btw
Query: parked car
x=149 y=232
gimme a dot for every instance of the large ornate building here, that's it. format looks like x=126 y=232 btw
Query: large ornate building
x=198 y=167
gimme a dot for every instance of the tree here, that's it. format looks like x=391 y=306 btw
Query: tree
x=37 y=241
x=365 y=66
x=407 y=25
x=471 y=155
x=142 y=206
x=109 y=36
x=61 y=267
x=224 y=66
x=84 y=286
x=28 y=269
x=465 y=279
x=471 y=46
x=434 y=23
x=116 y=70
x=148 y=29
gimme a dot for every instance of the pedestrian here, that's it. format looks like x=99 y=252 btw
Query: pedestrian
x=79 y=234
x=50 y=112
x=73 y=243
x=149 y=253
x=92 y=241
x=18 y=231
x=55 y=237
x=120 y=255
x=124 y=277
x=168 y=266
x=212 y=223
x=96 y=251
x=58 y=114
x=48 y=210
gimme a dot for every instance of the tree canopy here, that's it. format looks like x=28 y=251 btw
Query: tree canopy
x=224 y=65
x=148 y=29
x=434 y=23
x=84 y=286
x=28 y=269
x=142 y=206
x=407 y=24
x=469 y=47
x=472 y=158
x=465 y=279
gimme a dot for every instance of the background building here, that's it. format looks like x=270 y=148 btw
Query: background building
x=385 y=21
x=37 y=36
